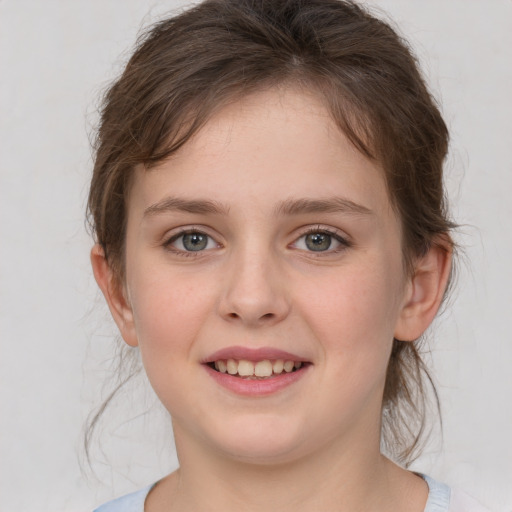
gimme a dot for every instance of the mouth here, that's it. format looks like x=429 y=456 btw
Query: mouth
x=256 y=370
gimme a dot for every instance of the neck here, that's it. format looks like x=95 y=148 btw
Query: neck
x=334 y=478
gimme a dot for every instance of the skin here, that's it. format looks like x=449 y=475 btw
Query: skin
x=313 y=445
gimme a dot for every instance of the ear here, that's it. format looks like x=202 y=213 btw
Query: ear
x=424 y=292
x=114 y=294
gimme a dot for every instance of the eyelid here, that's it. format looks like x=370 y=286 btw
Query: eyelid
x=187 y=230
x=336 y=234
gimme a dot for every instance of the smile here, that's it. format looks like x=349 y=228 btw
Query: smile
x=264 y=369
x=256 y=372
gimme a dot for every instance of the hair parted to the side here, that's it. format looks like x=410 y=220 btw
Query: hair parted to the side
x=187 y=67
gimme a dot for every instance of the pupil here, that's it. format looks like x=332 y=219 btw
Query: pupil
x=194 y=241
x=318 y=241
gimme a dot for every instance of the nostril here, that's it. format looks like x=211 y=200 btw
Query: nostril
x=266 y=316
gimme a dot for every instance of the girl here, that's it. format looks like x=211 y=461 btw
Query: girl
x=268 y=207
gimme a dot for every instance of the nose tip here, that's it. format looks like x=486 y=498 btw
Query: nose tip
x=254 y=312
x=255 y=295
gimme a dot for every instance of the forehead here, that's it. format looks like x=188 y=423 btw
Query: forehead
x=267 y=147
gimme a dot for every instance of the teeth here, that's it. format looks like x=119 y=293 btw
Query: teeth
x=261 y=369
x=221 y=366
x=288 y=366
x=232 y=366
x=278 y=366
x=245 y=368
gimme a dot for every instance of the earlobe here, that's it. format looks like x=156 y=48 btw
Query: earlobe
x=114 y=295
x=424 y=293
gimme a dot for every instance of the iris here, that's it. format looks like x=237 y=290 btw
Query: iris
x=318 y=241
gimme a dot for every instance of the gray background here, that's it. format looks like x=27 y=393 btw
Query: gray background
x=56 y=339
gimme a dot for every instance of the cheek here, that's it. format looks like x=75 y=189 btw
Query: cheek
x=354 y=312
x=169 y=310
x=353 y=320
x=168 y=318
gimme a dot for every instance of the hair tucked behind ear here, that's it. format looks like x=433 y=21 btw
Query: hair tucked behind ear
x=187 y=67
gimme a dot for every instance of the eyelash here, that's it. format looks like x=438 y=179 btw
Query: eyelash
x=344 y=243
x=188 y=231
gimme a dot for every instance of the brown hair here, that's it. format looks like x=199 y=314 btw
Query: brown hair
x=186 y=67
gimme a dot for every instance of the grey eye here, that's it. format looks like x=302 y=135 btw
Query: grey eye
x=189 y=242
x=195 y=241
x=318 y=241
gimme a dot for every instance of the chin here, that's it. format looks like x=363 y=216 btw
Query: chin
x=260 y=440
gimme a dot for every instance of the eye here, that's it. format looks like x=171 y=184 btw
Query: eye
x=191 y=241
x=320 y=240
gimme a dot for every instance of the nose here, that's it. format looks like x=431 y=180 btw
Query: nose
x=254 y=291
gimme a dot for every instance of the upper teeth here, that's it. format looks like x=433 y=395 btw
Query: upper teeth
x=263 y=368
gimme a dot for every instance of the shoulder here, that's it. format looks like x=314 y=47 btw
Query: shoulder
x=133 y=502
x=443 y=499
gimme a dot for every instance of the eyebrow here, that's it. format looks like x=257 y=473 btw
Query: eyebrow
x=328 y=205
x=286 y=207
x=199 y=206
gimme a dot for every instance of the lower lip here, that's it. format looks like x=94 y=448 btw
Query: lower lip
x=255 y=387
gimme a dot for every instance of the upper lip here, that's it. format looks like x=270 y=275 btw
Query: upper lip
x=253 y=354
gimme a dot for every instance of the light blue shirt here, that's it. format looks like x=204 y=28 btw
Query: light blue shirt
x=438 y=496
x=439 y=500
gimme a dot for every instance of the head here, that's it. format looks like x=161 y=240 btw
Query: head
x=188 y=69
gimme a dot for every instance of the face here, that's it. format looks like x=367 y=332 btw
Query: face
x=266 y=241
